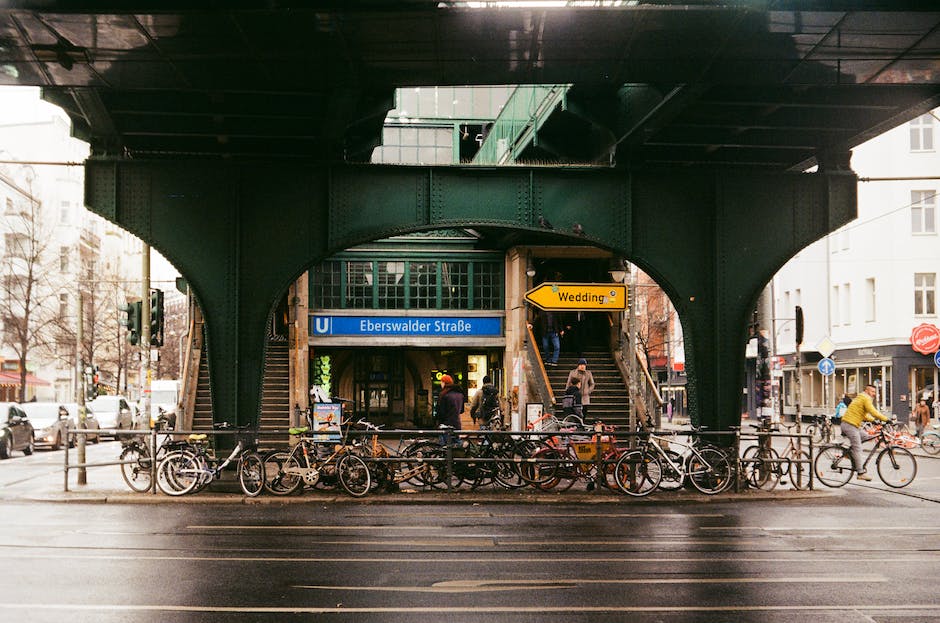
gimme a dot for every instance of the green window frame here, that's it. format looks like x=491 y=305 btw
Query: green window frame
x=408 y=283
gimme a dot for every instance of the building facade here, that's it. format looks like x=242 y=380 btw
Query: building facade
x=864 y=288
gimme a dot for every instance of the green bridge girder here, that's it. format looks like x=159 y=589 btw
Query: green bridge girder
x=242 y=232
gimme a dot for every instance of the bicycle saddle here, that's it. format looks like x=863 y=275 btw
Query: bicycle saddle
x=298 y=430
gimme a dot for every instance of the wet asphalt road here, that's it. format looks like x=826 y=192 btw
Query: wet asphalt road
x=858 y=554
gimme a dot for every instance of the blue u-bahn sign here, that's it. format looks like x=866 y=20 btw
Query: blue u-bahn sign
x=430 y=326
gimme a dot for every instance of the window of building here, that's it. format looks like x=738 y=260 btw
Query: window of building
x=922 y=133
x=845 y=305
x=326 y=284
x=422 y=285
x=359 y=285
x=923 y=211
x=870 y=299
x=835 y=302
x=63 y=259
x=63 y=305
x=401 y=283
x=391 y=285
x=925 y=294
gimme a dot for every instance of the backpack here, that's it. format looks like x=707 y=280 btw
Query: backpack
x=490 y=403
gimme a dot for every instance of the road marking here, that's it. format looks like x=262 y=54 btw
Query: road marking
x=508 y=559
x=479 y=586
x=930 y=607
x=337 y=528
x=823 y=528
x=552 y=516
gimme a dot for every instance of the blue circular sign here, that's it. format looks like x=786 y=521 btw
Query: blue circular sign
x=936 y=358
x=826 y=366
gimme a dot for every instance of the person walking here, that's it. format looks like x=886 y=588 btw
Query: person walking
x=450 y=403
x=921 y=417
x=840 y=408
x=548 y=326
x=485 y=403
x=862 y=409
x=586 y=383
x=572 y=399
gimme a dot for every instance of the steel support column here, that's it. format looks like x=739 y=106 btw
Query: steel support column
x=242 y=233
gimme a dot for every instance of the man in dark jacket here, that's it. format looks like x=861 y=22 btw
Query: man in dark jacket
x=450 y=403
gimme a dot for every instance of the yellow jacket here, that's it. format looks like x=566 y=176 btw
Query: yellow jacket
x=860 y=410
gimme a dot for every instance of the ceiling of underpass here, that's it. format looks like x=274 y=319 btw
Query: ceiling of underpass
x=695 y=83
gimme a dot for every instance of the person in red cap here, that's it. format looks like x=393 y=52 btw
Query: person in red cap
x=450 y=403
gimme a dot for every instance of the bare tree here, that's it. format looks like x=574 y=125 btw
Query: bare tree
x=28 y=297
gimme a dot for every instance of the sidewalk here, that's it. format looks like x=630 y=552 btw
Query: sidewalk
x=106 y=485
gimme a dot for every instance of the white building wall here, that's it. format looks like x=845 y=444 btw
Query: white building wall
x=878 y=245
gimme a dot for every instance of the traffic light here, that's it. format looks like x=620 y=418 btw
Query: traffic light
x=132 y=321
x=156 y=318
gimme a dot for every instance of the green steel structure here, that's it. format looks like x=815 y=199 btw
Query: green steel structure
x=228 y=139
x=242 y=233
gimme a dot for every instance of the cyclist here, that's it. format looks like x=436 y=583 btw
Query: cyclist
x=862 y=409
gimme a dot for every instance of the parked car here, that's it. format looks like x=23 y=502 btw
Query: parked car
x=113 y=412
x=16 y=431
x=91 y=421
x=51 y=423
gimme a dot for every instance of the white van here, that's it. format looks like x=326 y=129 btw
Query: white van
x=164 y=394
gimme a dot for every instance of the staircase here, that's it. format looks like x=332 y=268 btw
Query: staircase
x=610 y=400
x=202 y=411
x=275 y=392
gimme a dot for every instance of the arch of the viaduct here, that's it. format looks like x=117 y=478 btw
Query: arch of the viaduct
x=241 y=233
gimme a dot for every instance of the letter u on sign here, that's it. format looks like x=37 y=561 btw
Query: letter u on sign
x=321 y=326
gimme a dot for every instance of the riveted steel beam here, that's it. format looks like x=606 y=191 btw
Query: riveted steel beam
x=241 y=233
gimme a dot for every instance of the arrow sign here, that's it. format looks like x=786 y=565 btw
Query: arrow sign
x=826 y=366
x=583 y=296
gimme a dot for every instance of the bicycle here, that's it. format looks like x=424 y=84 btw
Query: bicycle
x=136 y=466
x=930 y=440
x=311 y=462
x=820 y=429
x=192 y=469
x=641 y=471
x=576 y=457
x=764 y=467
x=896 y=466
x=415 y=463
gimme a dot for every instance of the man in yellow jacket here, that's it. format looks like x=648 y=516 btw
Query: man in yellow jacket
x=862 y=409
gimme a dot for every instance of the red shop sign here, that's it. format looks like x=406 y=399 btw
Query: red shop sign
x=925 y=339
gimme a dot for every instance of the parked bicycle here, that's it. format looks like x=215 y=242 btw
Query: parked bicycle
x=763 y=467
x=193 y=468
x=640 y=471
x=136 y=464
x=930 y=440
x=313 y=461
x=820 y=429
x=896 y=466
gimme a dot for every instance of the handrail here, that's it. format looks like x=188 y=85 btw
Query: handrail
x=534 y=356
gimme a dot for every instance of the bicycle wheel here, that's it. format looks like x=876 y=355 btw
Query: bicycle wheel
x=135 y=468
x=353 y=475
x=506 y=469
x=178 y=473
x=930 y=442
x=424 y=452
x=672 y=469
x=638 y=473
x=709 y=470
x=897 y=467
x=833 y=465
x=762 y=467
x=815 y=431
x=282 y=473
x=251 y=474
x=537 y=466
x=800 y=466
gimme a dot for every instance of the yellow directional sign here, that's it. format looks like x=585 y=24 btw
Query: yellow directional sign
x=583 y=296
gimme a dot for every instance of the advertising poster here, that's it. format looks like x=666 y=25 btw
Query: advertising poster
x=326 y=421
